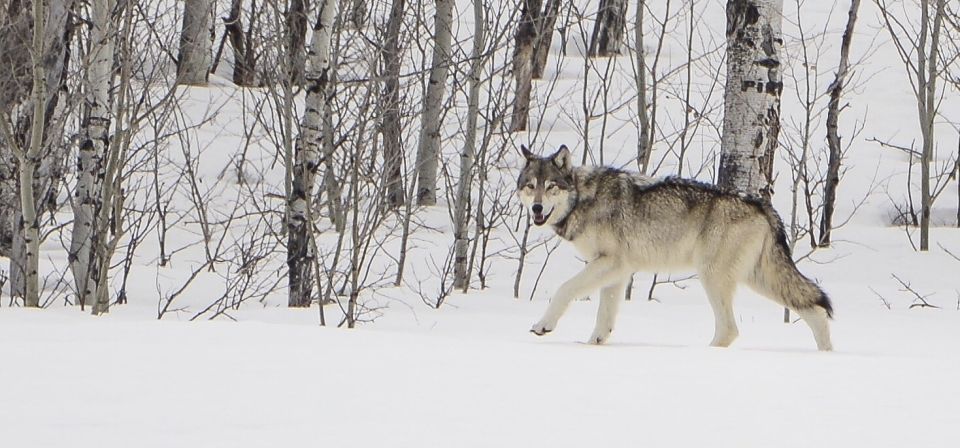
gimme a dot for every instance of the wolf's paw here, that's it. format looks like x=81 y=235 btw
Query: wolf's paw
x=541 y=328
x=599 y=337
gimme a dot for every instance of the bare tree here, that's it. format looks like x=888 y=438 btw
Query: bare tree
x=86 y=235
x=31 y=125
x=390 y=123
x=244 y=55
x=300 y=249
x=833 y=137
x=751 y=115
x=428 y=152
x=467 y=156
x=546 y=23
x=523 y=64
x=608 y=30
x=923 y=73
x=296 y=28
x=196 y=43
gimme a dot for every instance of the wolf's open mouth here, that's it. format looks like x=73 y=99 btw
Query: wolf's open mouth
x=540 y=219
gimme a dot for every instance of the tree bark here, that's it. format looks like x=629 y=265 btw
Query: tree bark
x=608 y=30
x=86 y=235
x=300 y=248
x=390 y=124
x=461 y=220
x=833 y=137
x=751 y=121
x=244 y=62
x=28 y=161
x=546 y=24
x=296 y=39
x=523 y=64
x=29 y=85
x=196 y=44
x=428 y=152
x=644 y=142
x=927 y=73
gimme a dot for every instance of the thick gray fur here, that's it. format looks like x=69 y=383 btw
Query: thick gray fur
x=623 y=222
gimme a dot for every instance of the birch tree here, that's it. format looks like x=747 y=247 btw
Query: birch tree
x=196 y=44
x=833 y=135
x=468 y=154
x=28 y=159
x=300 y=248
x=751 y=113
x=31 y=128
x=428 y=152
x=95 y=132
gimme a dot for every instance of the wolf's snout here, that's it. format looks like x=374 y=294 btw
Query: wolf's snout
x=538 y=217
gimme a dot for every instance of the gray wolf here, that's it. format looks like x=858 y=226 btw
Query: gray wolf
x=623 y=222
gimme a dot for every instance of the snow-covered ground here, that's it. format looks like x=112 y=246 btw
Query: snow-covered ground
x=469 y=373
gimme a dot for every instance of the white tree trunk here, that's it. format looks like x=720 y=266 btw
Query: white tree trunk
x=28 y=161
x=86 y=235
x=428 y=152
x=461 y=275
x=300 y=255
x=751 y=112
x=196 y=43
x=18 y=96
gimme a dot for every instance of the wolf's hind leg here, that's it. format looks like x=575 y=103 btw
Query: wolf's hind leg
x=720 y=292
x=598 y=273
x=610 y=298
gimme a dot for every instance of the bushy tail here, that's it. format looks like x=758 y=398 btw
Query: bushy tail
x=777 y=276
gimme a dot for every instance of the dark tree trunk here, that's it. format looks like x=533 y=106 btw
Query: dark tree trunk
x=523 y=64
x=833 y=137
x=391 y=128
x=544 y=37
x=608 y=30
x=296 y=39
x=244 y=64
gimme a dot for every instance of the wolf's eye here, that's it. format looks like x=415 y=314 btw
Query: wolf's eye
x=553 y=187
x=529 y=186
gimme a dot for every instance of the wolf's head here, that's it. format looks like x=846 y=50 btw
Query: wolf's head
x=545 y=185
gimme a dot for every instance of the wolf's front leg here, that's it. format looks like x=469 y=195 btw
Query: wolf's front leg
x=610 y=298
x=597 y=273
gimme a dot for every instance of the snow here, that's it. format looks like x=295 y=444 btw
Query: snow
x=473 y=377
x=469 y=374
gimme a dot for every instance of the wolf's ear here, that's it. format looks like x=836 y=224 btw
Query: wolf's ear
x=526 y=153
x=561 y=158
